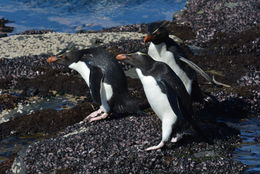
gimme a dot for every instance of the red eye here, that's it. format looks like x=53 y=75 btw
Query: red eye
x=158 y=32
x=63 y=57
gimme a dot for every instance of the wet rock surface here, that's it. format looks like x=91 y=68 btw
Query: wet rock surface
x=4 y=29
x=116 y=145
x=36 y=32
x=207 y=18
x=7 y=101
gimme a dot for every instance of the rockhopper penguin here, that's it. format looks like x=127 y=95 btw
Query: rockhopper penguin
x=165 y=92
x=104 y=77
x=164 y=49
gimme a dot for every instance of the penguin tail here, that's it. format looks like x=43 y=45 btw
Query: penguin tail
x=197 y=128
x=201 y=133
x=126 y=104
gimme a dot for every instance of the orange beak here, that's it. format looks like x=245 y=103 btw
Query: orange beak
x=121 y=57
x=52 y=59
x=147 y=38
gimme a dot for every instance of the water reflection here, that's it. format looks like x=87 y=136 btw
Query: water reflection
x=249 y=152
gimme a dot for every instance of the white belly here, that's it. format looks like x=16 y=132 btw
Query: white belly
x=160 y=53
x=82 y=69
x=158 y=100
x=106 y=92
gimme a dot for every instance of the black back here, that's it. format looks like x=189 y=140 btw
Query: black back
x=103 y=68
x=111 y=72
x=170 y=84
x=164 y=76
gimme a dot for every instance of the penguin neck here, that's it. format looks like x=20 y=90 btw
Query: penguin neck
x=160 y=53
x=145 y=65
x=82 y=68
x=139 y=73
x=156 y=51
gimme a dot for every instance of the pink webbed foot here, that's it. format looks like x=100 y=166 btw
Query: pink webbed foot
x=99 y=117
x=159 y=146
x=93 y=115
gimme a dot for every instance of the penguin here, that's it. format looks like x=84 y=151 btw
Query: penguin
x=164 y=49
x=104 y=77
x=165 y=93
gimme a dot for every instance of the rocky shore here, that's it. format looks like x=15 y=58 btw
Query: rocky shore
x=116 y=145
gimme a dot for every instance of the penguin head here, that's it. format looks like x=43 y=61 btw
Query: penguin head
x=158 y=36
x=137 y=59
x=157 y=32
x=66 y=58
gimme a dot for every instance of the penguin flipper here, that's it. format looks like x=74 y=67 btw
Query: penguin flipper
x=182 y=124
x=184 y=112
x=126 y=104
x=180 y=104
x=172 y=97
x=95 y=79
x=175 y=48
x=203 y=73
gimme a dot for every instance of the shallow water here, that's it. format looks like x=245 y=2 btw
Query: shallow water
x=73 y=15
x=249 y=152
x=57 y=103
x=13 y=144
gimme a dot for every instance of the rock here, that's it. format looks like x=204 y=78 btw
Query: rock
x=205 y=154
x=18 y=166
x=208 y=18
x=30 y=32
x=3 y=28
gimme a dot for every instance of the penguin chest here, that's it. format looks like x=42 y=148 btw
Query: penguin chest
x=160 y=53
x=82 y=69
x=155 y=51
x=157 y=99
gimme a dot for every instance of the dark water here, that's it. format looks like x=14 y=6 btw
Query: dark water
x=73 y=15
x=249 y=152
